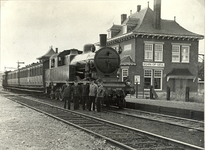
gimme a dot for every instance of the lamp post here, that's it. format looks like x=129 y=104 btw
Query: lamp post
x=18 y=72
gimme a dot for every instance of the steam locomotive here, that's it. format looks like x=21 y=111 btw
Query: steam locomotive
x=49 y=75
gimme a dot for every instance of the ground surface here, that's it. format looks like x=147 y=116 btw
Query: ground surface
x=22 y=128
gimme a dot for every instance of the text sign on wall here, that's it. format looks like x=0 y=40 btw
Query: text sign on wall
x=148 y=64
x=127 y=47
x=137 y=79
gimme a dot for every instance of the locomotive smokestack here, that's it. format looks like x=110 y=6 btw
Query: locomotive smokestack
x=138 y=8
x=103 y=40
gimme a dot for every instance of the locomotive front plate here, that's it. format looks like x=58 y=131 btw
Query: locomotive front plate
x=107 y=60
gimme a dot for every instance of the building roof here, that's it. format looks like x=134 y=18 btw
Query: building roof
x=168 y=27
x=144 y=21
x=127 y=61
x=48 y=54
x=116 y=27
x=180 y=73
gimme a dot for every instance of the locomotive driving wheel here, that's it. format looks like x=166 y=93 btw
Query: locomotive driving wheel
x=52 y=95
x=121 y=103
x=58 y=94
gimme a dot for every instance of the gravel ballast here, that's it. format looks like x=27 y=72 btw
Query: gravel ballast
x=22 y=128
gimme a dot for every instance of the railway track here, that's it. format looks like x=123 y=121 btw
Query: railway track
x=120 y=135
x=172 y=120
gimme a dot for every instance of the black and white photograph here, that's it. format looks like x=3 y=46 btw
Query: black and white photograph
x=102 y=75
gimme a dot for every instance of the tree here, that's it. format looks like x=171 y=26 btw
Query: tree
x=201 y=67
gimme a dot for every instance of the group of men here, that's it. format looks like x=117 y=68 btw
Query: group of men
x=89 y=94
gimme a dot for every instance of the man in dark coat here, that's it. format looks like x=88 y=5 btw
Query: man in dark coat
x=92 y=95
x=67 y=95
x=85 y=94
x=76 y=94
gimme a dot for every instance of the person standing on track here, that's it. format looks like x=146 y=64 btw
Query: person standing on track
x=85 y=94
x=63 y=88
x=100 y=95
x=67 y=95
x=76 y=94
x=92 y=95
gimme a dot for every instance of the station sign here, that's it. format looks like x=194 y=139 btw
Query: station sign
x=149 y=64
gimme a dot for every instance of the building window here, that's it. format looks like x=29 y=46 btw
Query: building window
x=147 y=78
x=148 y=52
x=124 y=74
x=157 y=79
x=158 y=52
x=185 y=53
x=153 y=77
x=153 y=52
x=175 y=53
x=180 y=53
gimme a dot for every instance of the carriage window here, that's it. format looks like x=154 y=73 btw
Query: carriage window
x=52 y=63
x=61 y=61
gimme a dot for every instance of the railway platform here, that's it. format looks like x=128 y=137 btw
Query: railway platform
x=189 y=110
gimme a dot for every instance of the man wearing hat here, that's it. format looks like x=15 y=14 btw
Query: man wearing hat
x=67 y=95
x=76 y=95
x=85 y=94
x=92 y=95
x=100 y=95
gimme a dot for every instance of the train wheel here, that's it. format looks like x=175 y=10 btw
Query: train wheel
x=60 y=96
x=56 y=97
x=56 y=94
x=107 y=102
x=121 y=103
x=52 y=96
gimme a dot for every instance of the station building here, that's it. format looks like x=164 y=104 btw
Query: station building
x=155 y=52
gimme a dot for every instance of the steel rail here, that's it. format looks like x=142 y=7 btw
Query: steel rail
x=163 y=121
x=115 y=124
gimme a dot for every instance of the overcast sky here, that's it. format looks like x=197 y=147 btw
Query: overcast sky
x=30 y=27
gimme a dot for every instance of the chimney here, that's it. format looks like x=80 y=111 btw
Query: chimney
x=123 y=18
x=138 y=8
x=157 y=14
x=57 y=50
x=103 y=40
